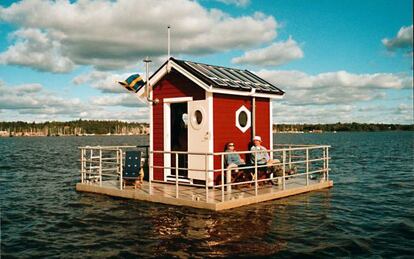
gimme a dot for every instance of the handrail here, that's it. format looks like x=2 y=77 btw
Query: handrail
x=240 y=152
x=113 y=147
x=107 y=161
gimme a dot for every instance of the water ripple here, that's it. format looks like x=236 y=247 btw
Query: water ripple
x=368 y=213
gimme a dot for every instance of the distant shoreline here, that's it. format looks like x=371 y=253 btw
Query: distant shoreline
x=84 y=135
x=121 y=128
x=136 y=135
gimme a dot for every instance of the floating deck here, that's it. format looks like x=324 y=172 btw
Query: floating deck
x=195 y=196
x=298 y=169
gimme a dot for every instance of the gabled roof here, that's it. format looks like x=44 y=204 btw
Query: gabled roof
x=219 y=79
x=229 y=78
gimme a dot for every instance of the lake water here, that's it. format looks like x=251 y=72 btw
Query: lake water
x=368 y=213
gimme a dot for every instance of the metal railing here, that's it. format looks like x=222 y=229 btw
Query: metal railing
x=289 y=162
x=304 y=160
x=103 y=163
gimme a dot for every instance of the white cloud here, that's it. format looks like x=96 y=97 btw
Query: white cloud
x=341 y=97
x=27 y=88
x=36 y=49
x=239 y=3
x=284 y=113
x=340 y=79
x=403 y=40
x=339 y=87
x=138 y=114
x=32 y=102
x=34 y=97
x=405 y=109
x=114 y=34
x=276 y=54
x=107 y=82
x=125 y=99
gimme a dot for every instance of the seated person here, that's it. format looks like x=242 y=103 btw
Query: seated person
x=262 y=157
x=232 y=160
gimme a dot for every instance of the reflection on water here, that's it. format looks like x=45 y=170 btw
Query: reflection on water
x=221 y=233
x=365 y=214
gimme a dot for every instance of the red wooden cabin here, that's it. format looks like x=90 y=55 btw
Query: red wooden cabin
x=202 y=107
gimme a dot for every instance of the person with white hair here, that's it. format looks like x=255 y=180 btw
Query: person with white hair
x=263 y=157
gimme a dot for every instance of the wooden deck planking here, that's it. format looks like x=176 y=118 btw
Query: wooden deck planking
x=195 y=196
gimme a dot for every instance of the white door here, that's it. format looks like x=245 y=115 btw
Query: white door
x=198 y=138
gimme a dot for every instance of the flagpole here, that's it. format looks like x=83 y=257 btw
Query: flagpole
x=147 y=86
x=169 y=41
x=150 y=155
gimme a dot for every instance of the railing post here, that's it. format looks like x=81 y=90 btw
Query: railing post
x=90 y=163
x=176 y=175
x=290 y=157
x=82 y=166
x=284 y=169
x=151 y=171
x=117 y=168
x=121 y=180
x=100 y=166
x=324 y=163
x=206 y=172
x=307 y=166
x=327 y=163
x=255 y=173
x=222 y=177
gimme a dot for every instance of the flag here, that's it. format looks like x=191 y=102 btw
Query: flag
x=133 y=83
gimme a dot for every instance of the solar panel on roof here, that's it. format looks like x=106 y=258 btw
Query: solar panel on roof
x=239 y=75
x=233 y=78
x=219 y=81
x=220 y=72
x=222 y=76
x=213 y=75
x=243 y=73
x=242 y=84
x=218 y=75
x=199 y=69
x=206 y=73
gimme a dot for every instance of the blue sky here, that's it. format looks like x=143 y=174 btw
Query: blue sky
x=337 y=60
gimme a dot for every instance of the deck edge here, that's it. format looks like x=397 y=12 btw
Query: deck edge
x=201 y=205
x=143 y=197
x=272 y=196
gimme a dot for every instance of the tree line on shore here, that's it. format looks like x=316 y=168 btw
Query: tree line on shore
x=77 y=127
x=85 y=127
x=341 y=127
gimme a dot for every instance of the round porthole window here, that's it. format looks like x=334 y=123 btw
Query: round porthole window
x=198 y=116
x=243 y=119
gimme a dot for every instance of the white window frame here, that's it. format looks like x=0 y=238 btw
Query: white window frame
x=249 y=119
x=193 y=119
